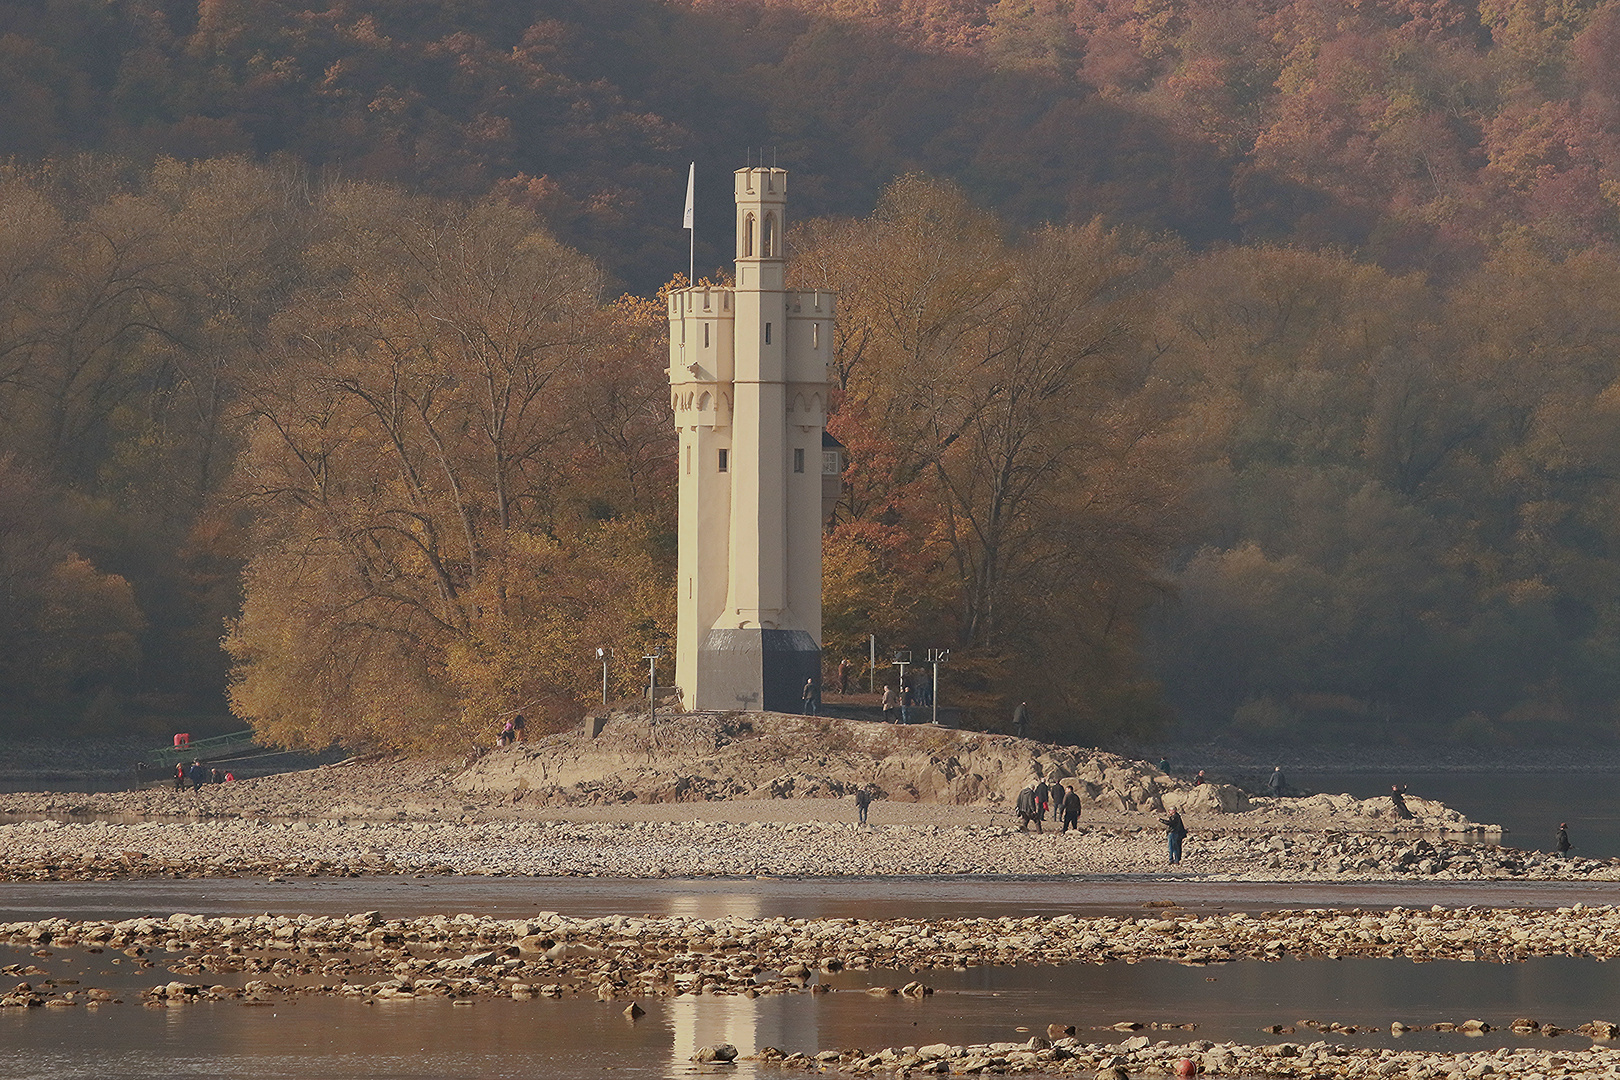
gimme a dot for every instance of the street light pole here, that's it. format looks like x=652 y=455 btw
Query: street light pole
x=937 y=657
x=602 y=655
x=901 y=659
x=652 y=682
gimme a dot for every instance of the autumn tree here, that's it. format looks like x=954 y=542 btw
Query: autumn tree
x=1008 y=485
x=423 y=560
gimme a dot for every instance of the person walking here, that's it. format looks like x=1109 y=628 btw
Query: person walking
x=1043 y=799
x=1021 y=720
x=179 y=776
x=863 y=800
x=1027 y=811
x=905 y=700
x=1071 y=809
x=888 y=703
x=198 y=774
x=809 y=696
x=1275 y=782
x=1561 y=845
x=843 y=676
x=1175 y=831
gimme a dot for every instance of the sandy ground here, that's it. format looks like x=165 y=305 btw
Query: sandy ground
x=772 y=798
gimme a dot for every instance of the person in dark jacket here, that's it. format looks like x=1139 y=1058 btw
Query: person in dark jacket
x=1275 y=783
x=1175 y=831
x=1071 y=809
x=1561 y=845
x=179 y=776
x=1021 y=719
x=1397 y=796
x=198 y=774
x=1043 y=799
x=1028 y=810
x=863 y=800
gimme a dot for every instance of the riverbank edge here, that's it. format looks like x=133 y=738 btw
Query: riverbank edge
x=626 y=959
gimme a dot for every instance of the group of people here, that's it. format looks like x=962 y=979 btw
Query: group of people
x=512 y=731
x=913 y=693
x=199 y=774
x=1037 y=800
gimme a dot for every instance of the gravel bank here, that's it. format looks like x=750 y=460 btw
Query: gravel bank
x=1139 y=1056
x=625 y=957
x=98 y=850
x=263 y=959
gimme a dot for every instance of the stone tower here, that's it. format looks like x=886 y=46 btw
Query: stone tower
x=748 y=379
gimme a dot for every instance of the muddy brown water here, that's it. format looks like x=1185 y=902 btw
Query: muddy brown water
x=847 y=897
x=314 y=1037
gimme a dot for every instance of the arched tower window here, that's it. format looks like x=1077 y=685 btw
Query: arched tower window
x=767 y=241
x=748 y=237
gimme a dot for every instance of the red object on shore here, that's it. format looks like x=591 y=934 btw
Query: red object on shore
x=182 y=740
x=1185 y=1067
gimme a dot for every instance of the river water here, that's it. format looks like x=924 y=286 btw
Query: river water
x=312 y=1038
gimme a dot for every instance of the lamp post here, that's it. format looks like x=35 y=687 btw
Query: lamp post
x=602 y=655
x=652 y=681
x=937 y=657
x=902 y=657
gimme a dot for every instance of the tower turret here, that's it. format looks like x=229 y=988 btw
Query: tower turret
x=748 y=373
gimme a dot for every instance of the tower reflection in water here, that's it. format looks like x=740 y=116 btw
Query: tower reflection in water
x=746 y=1023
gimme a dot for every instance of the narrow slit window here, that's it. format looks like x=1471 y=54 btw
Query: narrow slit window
x=767 y=333
x=815 y=335
x=705 y=335
x=688 y=460
x=723 y=461
x=798 y=459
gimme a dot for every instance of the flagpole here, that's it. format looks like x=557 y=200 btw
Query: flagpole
x=688 y=222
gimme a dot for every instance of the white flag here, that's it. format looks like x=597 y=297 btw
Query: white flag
x=691 y=179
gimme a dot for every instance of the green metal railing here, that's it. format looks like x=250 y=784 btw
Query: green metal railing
x=197 y=748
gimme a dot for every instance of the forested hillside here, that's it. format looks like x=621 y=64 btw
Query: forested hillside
x=1419 y=132
x=1244 y=364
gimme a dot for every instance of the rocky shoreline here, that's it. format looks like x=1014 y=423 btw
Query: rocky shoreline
x=985 y=844
x=1067 y=1056
x=707 y=796
x=627 y=957
x=261 y=959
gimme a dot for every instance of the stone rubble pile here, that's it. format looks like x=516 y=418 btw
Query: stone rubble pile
x=623 y=957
